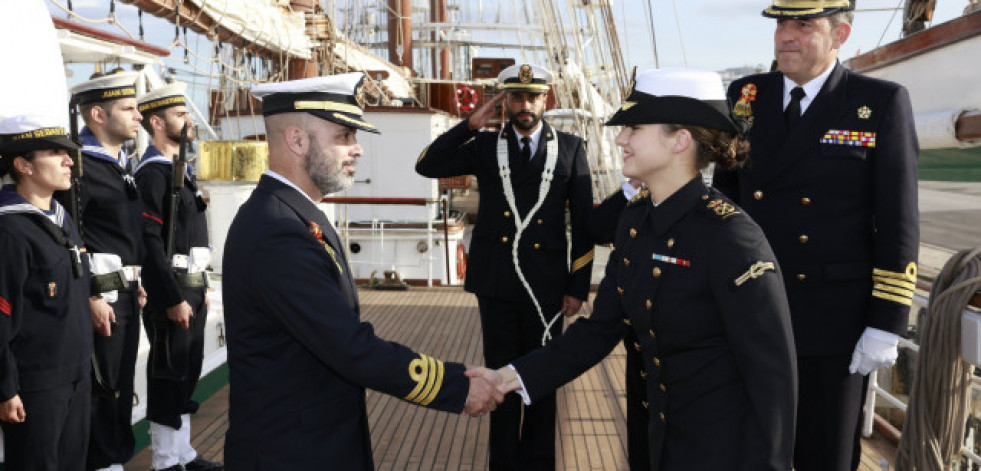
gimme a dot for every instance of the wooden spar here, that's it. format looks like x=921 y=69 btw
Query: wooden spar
x=111 y=37
x=400 y=32
x=441 y=56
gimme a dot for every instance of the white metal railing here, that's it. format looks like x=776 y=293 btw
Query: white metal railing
x=874 y=390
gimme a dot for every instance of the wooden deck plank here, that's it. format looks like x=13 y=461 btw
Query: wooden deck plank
x=444 y=323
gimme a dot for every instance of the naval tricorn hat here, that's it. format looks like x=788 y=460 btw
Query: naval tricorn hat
x=108 y=87
x=24 y=133
x=525 y=78
x=336 y=98
x=676 y=96
x=162 y=98
x=802 y=9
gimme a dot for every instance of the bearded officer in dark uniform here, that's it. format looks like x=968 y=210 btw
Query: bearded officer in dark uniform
x=111 y=228
x=177 y=307
x=527 y=174
x=299 y=357
x=832 y=181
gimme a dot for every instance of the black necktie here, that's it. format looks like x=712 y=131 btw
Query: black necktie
x=792 y=113
x=525 y=149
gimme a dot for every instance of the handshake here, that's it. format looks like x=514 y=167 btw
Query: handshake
x=488 y=388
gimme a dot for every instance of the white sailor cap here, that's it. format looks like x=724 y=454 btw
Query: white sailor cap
x=337 y=98
x=24 y=133
x=525 y=78
x=164 y=97
x=676 y=96
x=108 y=87
x=803 y=9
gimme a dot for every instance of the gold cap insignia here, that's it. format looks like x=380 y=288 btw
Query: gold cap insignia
x=864 y=112
x=525 y=74
x=359 y=95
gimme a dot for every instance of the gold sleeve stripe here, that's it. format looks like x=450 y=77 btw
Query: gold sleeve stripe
x=427 y=372
x=893 y=298
x=894 y=290
x=894 y=282
x=423 y=154
x=908 y=275
x=581 y=262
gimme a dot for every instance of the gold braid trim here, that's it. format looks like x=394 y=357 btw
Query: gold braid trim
x=893 y=298
x=427 y=372
x=581 y=262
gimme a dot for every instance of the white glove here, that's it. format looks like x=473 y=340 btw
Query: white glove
x=876 y=349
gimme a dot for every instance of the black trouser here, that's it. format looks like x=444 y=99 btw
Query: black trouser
x=512 y=329
x=829 y=409
x=53 y=437
x=169 y=398
x=638 y=447
x=111 y=439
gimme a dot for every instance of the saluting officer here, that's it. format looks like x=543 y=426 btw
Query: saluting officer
x=299 y=358
x=832 y=182
x=602 y=228
x=519 y=267
x=45 y=327
x=111 y=228
x=177 y=306
x=695 y=279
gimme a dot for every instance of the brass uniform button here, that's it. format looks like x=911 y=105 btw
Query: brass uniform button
x=644 y=403
x=626 y=321
x=633 y=233
x=643 y=375
x=657 y=362
x=662 y=388
x=537 y=246
x=540 y=222
x=803 y=238
x=705 y=197
x=620 y=291
x=657 y=272
x=758 y=195
x=670 y=242
x=504 y=239
x=507 y=214
x=801 y=277
x=660 y=415
x=648 y=304
x=626 y=262
x=636 y=346
x=653 y=335
x=805 y=201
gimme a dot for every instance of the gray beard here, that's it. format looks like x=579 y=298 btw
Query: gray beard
x=326 y=181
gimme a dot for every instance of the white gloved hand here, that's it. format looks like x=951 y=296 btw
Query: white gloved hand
x=876 y=349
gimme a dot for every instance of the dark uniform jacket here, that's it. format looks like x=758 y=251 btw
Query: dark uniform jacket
x=45 y=324
x=696 y=280
x=543 y=251
x=299 y=357
x=840 y=211
x=154 y=178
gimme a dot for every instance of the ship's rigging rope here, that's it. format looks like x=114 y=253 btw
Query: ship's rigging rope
x=940 y=392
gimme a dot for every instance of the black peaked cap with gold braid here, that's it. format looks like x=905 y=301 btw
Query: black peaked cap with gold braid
x=803 y=9
x=336 y=98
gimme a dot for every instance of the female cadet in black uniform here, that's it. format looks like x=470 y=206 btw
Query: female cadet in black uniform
x=45 y=324
x=697 y=282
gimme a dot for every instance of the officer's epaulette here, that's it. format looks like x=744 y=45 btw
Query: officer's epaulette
x=642 y=194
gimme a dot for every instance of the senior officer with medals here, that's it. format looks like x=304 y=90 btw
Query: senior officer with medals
x=299 y=357
x=45 y=326
x=109 y=208
x=695 y=279
x=832 y=182
x=174 y=275
x=519 y=268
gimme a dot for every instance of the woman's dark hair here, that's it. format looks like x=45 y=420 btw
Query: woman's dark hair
x=713 y=145
x=7 y=164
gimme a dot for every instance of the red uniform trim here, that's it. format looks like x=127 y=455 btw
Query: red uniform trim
x=5 y=306
x=150 y=216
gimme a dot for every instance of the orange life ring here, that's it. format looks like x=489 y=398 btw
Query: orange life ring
x=466 y=98
x=461 y=262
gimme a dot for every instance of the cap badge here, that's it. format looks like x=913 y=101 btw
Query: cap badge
x=864 y=112
x=359 y=95
x=525 y=74
x=748 y=95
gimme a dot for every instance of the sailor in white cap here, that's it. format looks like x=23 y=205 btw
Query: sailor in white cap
x=177 y=308
x=834 y=186
x=110 y=208
x=299 y=358
x=528 y=174
x=696 y=280
x=45 y=325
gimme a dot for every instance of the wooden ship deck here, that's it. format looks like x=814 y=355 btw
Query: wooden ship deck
x=444 y=322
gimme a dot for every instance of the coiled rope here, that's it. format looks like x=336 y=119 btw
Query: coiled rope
x=940 y=394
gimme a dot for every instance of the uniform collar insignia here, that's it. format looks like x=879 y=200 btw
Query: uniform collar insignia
x=747 y=96
x=864 y=112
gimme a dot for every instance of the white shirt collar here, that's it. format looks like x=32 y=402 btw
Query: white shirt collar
x=287 y=182
x=535 y=137
x=811 y=89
